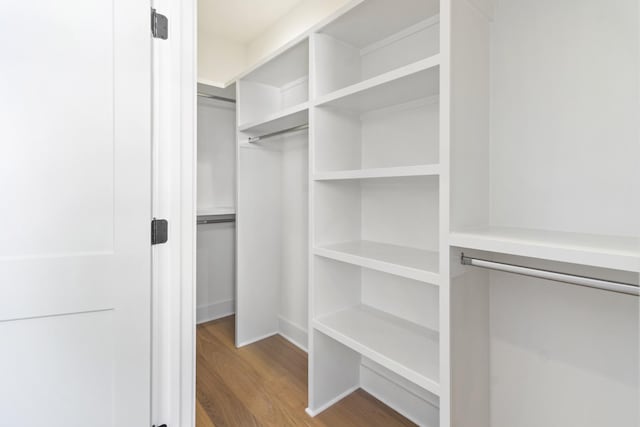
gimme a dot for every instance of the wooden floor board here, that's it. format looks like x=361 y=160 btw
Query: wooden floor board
x=265 y=384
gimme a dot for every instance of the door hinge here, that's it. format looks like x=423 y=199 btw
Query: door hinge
x=159 y=231
x=159 y=25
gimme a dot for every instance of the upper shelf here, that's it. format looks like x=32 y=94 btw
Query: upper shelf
x=285 y=119
x=619 y=253
x=373 y=20
x=213 y=210
x=404 y=84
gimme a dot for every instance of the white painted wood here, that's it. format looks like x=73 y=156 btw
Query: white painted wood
x=392 y=137
x=174 y=197
x=223 y=210
x=404 y=348
x=259 y=239
x=334 y=370
x=408 y=83
x=417 y=404
x=375 y=202
x=402 y=261
x=374 y=20
x=295 y=334
x=291 y=117
x=75 y=276
x=273 y=198
x=622 y=253
x=401 y=171
x=542 y=142
x=270 y=92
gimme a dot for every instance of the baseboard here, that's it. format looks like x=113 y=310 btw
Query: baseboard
x=255 y=339
x=415 y=403
x=293 y=333
x=207 y=313
x=314 y=412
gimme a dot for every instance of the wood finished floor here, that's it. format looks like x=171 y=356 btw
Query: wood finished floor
x=265 y=384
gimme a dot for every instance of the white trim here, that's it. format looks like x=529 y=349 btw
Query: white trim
x=293 y=333
x=314 y=412
x=253 y=340
x=395 y=399
x=174 y=190
x=217 y=310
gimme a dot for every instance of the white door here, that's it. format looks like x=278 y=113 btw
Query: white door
x=74 y=213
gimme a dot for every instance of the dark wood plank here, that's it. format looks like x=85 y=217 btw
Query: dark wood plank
x=265 y=384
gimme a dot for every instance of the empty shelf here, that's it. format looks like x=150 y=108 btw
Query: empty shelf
x=285 y=119
x=417 y=264
x=402 y=171
x=222 y=210
x=409 y=350
x=408 y=83
x=620 y=253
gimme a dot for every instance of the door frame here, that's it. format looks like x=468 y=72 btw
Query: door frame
x=174 y=198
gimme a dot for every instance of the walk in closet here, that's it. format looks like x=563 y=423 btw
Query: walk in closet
x=439 y=200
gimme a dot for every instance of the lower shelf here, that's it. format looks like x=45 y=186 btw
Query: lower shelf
x=407 y=349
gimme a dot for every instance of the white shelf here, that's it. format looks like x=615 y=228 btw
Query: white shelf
x=407 y=349
x=404 y=84
x=223 y=210
x=285 y=119
x=416 y=264
x=373 y=20
x=620 y=253
x=394 y=172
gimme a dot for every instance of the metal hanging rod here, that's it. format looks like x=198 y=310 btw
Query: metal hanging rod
x=280 y=132
x=216 y=219
x=216 y=97
x=572 y=279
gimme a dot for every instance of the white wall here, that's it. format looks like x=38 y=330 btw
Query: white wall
x=219 y=59
x=303 y=16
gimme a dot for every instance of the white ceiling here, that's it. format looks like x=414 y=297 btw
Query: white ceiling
x=240 y=20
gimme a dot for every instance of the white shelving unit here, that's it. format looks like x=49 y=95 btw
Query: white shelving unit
x=272 y=214
x=437 y=127
x=375 y=198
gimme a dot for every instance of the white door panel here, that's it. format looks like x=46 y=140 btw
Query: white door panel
x=75 y=168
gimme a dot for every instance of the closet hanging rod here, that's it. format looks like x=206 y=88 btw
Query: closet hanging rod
x=572 y=279
x=216 y=219
x=216 y=97
x=280 y=132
